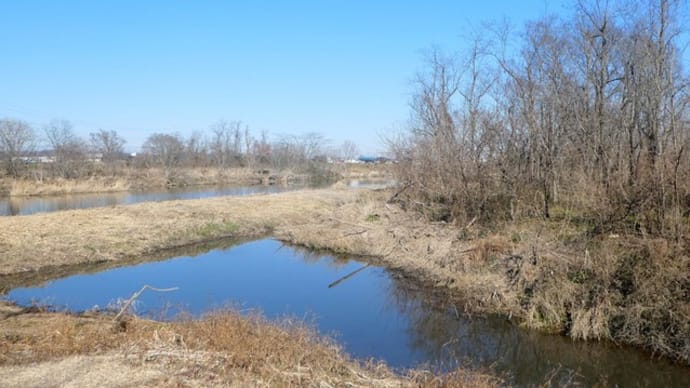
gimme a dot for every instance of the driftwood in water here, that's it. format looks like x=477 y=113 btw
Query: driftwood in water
x=351 y=274
x=136 y=295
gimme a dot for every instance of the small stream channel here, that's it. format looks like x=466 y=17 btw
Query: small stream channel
x=373 y=313
x=14 y=206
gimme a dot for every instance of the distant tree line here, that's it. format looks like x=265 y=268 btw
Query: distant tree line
x=590 y=114
x=227 y=144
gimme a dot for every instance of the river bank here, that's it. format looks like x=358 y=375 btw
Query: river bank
x=523 y=271
x=122 y=179
x=224 y=348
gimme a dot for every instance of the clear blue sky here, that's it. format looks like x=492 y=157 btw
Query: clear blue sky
x=341 y=68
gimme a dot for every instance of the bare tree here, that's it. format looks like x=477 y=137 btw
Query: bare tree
x=348 y=150
x=449 y=150
x=70 y=151
x=16 y=140
x=261 y=150
x=301 y=152
x=196 y=149
x=434 y=127
x=249 y=142
x=226 y=143
x=108 y=143
x=165 y=150
x=600 y=97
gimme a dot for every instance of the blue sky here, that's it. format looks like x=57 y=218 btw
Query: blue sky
x=340 y=68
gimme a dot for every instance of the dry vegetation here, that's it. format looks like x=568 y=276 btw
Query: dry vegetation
x=552 y=185
x=104 y=179
x=29 y=243
x=561 y=154
x=56 y=186
x=108 y=179
x=222 y=349
x=550 y=274
x=229 y=154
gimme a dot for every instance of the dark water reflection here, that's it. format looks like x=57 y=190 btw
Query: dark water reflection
x=13 y=206
x=449 y=339
x=375 y=313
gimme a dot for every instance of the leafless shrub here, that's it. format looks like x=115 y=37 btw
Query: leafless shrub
x=16 y=141
x=108 y=144
x=575 y=130
x=70 y=152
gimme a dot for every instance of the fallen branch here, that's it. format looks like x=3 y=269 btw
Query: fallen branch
x=471 y=222
x=136 y=295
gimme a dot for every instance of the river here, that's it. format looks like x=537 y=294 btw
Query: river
x=374 y=313
x=13 y=206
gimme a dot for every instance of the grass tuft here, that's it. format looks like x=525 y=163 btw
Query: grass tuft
x=222 y=229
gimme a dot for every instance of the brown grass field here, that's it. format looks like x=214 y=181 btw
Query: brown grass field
x=30 y=243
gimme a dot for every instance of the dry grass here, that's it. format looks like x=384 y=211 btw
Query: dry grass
x=222 y=349
x=549 y=274
x=434 y=253
x=124 y=179
x=142 y=178
x=29 y=243
x=55 y=186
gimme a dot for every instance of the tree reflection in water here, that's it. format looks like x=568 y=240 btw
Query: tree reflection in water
x=450 y=338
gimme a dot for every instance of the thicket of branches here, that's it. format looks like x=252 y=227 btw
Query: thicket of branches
x=586 y=116
x=585 y=121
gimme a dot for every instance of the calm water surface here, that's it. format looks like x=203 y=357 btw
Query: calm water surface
x=374 y=313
